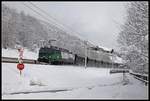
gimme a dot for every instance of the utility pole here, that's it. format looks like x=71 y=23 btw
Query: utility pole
x=112 y=57
x=85 y=44
x=123 y=72
x=112 y=62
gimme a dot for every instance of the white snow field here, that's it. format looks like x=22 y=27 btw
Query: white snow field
x=58 y=82
x=15 y=54
x=67 y=82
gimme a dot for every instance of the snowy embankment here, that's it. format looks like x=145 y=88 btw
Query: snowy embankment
x=49 y=81
x=15 y=54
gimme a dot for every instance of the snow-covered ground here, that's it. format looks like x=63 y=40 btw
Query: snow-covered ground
x=15 y=54
x=54 y=82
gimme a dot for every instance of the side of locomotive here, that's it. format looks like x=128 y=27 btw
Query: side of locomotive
x=55 y=55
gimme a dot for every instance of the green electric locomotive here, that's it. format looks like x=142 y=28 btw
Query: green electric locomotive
x=55 y=55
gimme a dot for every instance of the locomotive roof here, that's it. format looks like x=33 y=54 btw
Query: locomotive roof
x=52 y=48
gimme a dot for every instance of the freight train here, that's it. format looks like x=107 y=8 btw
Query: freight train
x=55 y=55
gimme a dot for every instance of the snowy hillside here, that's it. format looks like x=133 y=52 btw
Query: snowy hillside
x=53 y=82
x=34 y=33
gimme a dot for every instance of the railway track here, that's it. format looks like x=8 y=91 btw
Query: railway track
x=15 y=60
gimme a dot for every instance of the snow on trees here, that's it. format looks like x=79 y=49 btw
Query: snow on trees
x=19 y=28
x=133 y=37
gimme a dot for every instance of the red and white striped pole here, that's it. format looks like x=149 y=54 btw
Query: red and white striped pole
x=20 y=66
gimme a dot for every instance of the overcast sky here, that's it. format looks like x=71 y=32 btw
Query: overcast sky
x=97 y=22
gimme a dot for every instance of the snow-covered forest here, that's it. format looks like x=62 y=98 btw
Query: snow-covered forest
x=133 y=38
x=32 y=33
x=18 y=28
